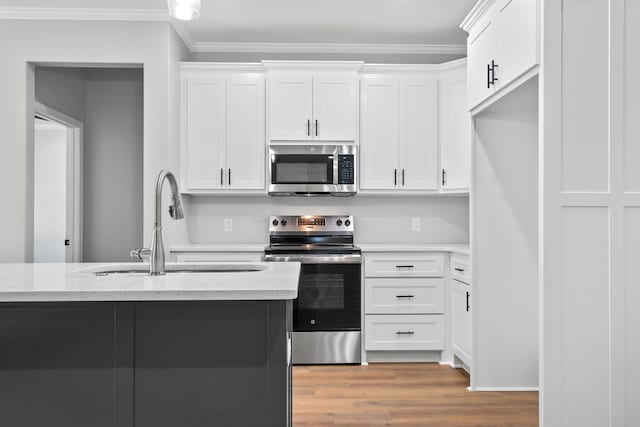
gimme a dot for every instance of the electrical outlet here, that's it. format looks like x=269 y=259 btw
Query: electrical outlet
x=228 y=225
x=415 y=224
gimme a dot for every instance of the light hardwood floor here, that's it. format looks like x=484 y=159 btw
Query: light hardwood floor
x=415 y=394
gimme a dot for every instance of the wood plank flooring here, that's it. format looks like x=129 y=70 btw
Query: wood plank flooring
x=415 y=394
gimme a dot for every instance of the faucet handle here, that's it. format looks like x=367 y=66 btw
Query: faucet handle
x=141 y=254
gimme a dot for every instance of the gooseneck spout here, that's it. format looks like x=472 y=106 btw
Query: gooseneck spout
x=156 y=253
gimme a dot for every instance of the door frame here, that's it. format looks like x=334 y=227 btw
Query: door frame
x=75 y=135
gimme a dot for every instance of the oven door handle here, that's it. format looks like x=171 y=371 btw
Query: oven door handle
x=315 y=259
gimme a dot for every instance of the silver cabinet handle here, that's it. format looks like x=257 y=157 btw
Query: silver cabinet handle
x=221 y=176
x=403 y=177
x=229 y=176
x=308 y=127
x=459 y=269
x=405 y=266
x=405 y=333
x=405 y=296
x=316 y=127
x=395 y=177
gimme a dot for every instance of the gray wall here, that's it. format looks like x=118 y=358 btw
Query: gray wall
x=113 y=158
x=62 y=89
x=379 y=219
x=29 y=43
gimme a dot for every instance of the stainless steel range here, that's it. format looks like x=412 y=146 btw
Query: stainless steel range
x=326 y=314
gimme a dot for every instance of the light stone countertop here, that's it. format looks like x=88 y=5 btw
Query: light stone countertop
x=78 y=282
x=456 y=248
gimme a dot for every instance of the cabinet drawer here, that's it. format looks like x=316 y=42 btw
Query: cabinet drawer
x=404 y=295
x=461 y=268
x=404 y=332
x=218 y=256
x=404 y=265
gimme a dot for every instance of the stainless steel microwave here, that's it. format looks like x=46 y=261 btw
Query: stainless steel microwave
x=312 y=170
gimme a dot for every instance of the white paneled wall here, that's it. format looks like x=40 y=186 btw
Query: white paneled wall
x=590 y=157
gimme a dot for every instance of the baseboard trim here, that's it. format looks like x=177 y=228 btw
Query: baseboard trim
x=506 y=389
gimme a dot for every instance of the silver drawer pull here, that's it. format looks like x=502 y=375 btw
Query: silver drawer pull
x=405 y=296
x=405 y=266
x=461 y=270
x=405 y=333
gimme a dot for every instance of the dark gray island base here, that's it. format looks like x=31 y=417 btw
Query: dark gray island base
x=145 y=364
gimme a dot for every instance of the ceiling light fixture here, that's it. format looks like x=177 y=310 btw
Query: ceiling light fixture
x=184 y=10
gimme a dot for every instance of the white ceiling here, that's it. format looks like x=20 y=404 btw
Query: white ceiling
x=303 y=21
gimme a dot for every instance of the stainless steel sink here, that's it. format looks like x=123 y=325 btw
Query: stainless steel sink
x=181 y=268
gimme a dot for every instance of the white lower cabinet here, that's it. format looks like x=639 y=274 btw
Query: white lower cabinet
x=404 y=301
x=405 y=295
x=461 y=321
x=404 y=332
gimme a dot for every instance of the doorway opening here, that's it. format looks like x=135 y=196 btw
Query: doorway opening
x=98 y=213
x=57 y=216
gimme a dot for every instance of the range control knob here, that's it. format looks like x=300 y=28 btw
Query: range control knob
x=347 y=222
x=283 y=222
x=275 y=222
x=339 y=222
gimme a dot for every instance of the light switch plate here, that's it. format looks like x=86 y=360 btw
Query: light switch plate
x=415 y=224
x=228 y=225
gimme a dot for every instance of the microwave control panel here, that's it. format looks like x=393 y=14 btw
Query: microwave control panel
x=346 y=169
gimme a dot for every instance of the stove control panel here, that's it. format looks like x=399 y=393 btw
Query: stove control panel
x=311 y=223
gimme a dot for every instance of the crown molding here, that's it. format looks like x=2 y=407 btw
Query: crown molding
x=456 y=63
x=476 y=13
x=243 y=67
x=313 y=65
x=398 y=68
x=249 y=47
x=85 y=14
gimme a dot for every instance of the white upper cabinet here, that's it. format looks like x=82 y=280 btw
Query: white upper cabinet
x=481 y=50
x=502 y=46
x=335 y=107
x=222 y=129
x=418 y=134
x=379 y=130
x=455 y=129
x=245 y=148
x=399 y=133
x=203 y=132
x=312 y=100
x=290 y=107
x=518 y=38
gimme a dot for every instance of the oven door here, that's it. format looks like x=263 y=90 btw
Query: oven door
x=328 y=298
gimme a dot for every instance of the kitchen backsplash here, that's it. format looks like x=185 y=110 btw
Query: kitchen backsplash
x=378 y=219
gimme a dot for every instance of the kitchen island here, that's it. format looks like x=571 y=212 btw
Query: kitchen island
x=128 y=349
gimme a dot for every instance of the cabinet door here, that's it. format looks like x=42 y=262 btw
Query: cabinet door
x=245 y=133
x=461 y=326
x=335 y=107
x=203 y=147
x=518 y=38
x=418 y=134
x=455 y=131
x=482 y=48
x=290 y=107
x=379 y=134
